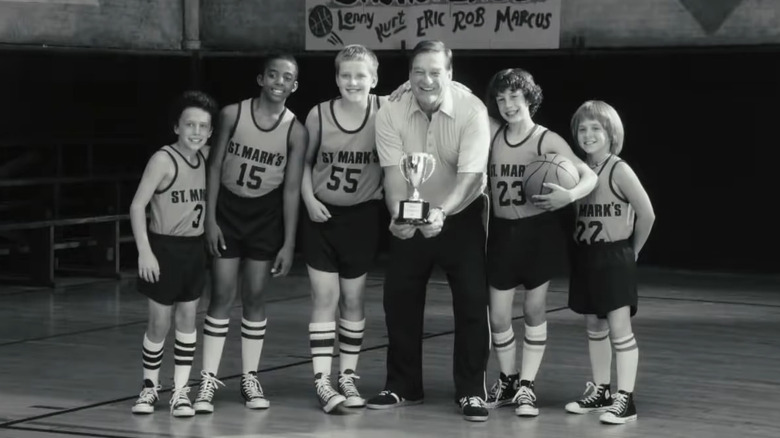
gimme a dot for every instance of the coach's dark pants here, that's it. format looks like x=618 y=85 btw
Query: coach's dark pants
x=460 y=251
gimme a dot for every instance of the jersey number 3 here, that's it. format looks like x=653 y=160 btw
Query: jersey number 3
x=199 y=211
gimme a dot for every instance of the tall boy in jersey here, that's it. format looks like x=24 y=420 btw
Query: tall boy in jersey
x=612 y=225
x=341 y=188
x=171 y=251
x=251 y=218
x=526 y=244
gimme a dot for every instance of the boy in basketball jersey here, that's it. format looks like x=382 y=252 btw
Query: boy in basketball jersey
x=171 y=251
x=612 y=225
x=342 y=191
x=525 y=240
x=251 y=218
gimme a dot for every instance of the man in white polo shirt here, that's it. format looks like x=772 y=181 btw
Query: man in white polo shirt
x=452 y=125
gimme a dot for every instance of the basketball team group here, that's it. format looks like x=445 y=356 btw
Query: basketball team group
x=235 y=207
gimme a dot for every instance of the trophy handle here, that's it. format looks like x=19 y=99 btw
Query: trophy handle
x=430 y=168
x=401 y=166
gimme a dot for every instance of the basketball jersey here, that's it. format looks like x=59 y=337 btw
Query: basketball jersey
x=506 y=172
x=347 y=171
x=256 y=158
x=604 y=215
x=179 y=209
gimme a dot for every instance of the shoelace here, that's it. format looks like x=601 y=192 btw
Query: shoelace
x=347 y=385
x=179 y=396
x=497 y=389
x=619 y=403
x=148 y=395
x=252 y=386
x=325 y=390
x=473 y=401
x=594 y=391
x=524 y=396
x=208 y=385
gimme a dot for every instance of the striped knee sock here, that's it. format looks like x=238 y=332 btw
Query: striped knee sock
x=600 y=352
x=183 y=353
x=533 y=350
x=506 y=351
x=152 y=359
x=627 y=358
x=252 y=337
x=322 y=339
x=350 y=341
x=214 y=333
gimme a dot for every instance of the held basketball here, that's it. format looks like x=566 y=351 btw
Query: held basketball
x=550 y=168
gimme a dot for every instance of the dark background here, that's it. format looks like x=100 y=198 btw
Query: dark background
x=701 y=124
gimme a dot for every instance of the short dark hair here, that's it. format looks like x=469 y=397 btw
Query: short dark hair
x=431 y=46
x=194 y=99
x=513 y=79
x=280 y=56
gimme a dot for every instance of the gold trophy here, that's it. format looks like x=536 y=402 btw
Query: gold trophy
x=416 y=168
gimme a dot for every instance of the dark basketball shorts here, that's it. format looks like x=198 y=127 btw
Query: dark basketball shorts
x=527 y=252
x=253 y=228
x=347 y=243
x=603 y=278
x=182 y=263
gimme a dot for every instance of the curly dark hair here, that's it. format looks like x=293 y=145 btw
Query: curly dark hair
x=194 y=99
x=513 y=79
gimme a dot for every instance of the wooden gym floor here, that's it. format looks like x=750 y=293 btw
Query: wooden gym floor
x=70 y=366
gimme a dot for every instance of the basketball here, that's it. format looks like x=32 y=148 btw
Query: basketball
x=320 y=21
x=550 y=168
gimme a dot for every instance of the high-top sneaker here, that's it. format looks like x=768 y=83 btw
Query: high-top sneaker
x=595 y=399
x=147 y=398
x=503 y=391
x=473 y=409
x=349 y=390
x=253 y=392
x=622 y=410
x=328 y=397
x=208 y=385
x=180 y=403
x=526 y=400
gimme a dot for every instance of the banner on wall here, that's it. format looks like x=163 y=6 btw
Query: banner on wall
x=461 y=24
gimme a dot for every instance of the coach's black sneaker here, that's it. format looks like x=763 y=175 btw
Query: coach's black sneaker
x=349 y=390
x=595 y=399
x=388 y=400
x=503 y=391
x=473 y=408
x=526 y=400
x=329 y=398
x=622 y=410
x=253 y=392
x=147 y=398
x=208 y=385
x=180 y=403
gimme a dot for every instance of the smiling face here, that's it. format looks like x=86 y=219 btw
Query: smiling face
x=193 y=128
x=279 y=80
x=593 y=138
x=355 y=80
x=512 y=105
x=429 y=76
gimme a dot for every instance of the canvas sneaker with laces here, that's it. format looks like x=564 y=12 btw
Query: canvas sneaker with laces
x=473 y=408
x=208 y=385
x=622 y=410
x=525 y=398
x=180 y=403
x=349 y=390
x=253 y=392
x=388 y=399
x=503 y=391
x=328 y=397
x=594 y=399
x=147 y=398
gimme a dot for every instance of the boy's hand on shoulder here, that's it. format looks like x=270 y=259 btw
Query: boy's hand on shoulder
x=148 y=267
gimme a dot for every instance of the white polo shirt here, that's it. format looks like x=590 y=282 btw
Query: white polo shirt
x=457 y=134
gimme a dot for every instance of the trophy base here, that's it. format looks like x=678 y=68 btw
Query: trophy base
x=413 y=212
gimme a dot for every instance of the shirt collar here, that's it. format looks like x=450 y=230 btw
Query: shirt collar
x=445 y=107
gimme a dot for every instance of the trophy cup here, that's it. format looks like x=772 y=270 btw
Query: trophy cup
x=416 y=168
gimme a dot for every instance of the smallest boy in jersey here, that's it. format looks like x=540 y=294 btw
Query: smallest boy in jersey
x=526 y=243
x=251 y=218
x=342 y=191
x=171 y=251
x=612 y=225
